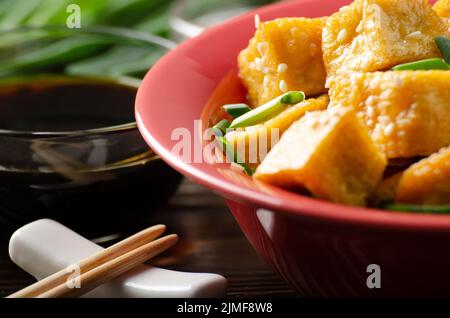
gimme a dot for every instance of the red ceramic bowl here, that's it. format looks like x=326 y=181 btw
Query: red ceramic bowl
x=319 y=248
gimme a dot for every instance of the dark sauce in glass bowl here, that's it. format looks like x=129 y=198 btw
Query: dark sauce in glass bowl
x=64 y=105
x=70 y=151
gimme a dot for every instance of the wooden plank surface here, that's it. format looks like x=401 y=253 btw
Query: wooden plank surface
x=211 y=241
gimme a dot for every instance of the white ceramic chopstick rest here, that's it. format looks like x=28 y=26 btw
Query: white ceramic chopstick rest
x=45 y=246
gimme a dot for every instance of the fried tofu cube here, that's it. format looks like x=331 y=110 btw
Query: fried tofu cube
x=427 y=181
x=407 y=112
x=374 y=35
x=284 y=55
x=253 y=143
x=330 y=153
x=442 y=8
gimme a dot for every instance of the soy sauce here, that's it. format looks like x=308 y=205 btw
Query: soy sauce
x=69 y=151
x=63 y=105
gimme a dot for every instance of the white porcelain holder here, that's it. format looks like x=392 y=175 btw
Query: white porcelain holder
x=44 y=247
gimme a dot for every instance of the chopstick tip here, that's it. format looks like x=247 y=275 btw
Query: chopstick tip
x=174 y=238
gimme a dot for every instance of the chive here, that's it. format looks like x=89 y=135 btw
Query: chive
x=443 y=43
x=45 y=11
x=18 y=13
x=220 y=128
x=55 y=54
x=292 y=97
x=116 y=62
x=236 y=110
x=127 y=13
x=229 y=150
x=268 y=110
x=433 y=209
x=428 y=64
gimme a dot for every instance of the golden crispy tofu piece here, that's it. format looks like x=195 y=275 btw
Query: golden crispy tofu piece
x=255 y=142
x=284 y=55
x=428 y=181
x=330 y=153
x=373 y=35
x=407 y=112
x=442 y=8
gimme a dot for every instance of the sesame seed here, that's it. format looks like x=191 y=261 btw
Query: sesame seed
x=415 y=35
x=389 y=130
x=283 y=86
x=257 y=21
x=266 y=70
x=354 y=46
x=294 y=31
x=262 y=47
x=282 y=68
x=371 y=100
x=360 y=27
x=266 y=81
x=342 y=35
x=367 y=59
x=259 y=64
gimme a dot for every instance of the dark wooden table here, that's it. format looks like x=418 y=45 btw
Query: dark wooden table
x=211 y=241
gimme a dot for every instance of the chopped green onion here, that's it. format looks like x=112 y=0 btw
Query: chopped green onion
x=443 y=43
x=268 y=110
x=236 y=110
x=292 y=98
x=220 y=128
x=430 y=209
x=428 y=64
x=229 y=150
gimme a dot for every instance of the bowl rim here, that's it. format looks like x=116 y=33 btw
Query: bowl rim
x=286 y=202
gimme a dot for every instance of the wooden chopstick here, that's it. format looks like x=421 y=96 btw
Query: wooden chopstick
x=115 y=267
x=113 y=252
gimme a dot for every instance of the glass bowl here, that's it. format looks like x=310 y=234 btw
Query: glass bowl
x=99 y=179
